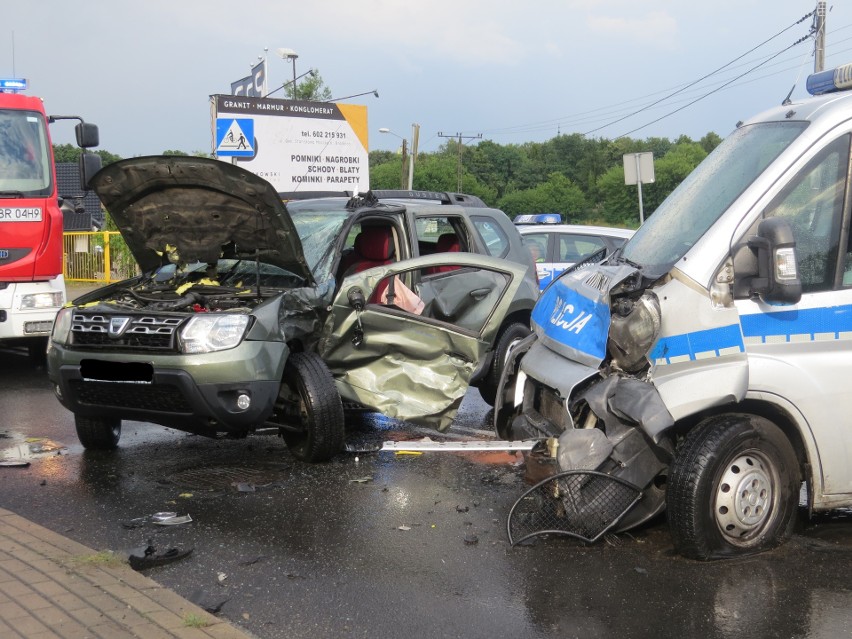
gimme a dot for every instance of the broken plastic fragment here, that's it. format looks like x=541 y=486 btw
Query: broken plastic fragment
x=361 y=480
x=173 y=521
x=405 y=528
x=149 y=557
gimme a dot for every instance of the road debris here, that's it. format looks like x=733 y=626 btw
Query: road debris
x=475 y=445
x=148 y=557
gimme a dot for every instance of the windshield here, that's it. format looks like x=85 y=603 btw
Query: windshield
x=319 y=223
x=24 y=155
x=701 y=199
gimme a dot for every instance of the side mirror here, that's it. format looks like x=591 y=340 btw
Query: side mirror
x=777 y=280
x=89 y=164
x=87 y=135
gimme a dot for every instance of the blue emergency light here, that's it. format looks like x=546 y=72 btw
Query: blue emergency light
x=539 y=218
x=839 y=79
x=10 y=85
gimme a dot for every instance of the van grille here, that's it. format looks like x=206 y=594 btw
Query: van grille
x=125 y=332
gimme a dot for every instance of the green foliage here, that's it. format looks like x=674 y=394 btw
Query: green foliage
x=557 y=195
x=619 y=203
x=310 y=88
x=70 y=153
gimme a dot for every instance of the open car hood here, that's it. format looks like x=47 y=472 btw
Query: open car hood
x=189 y=209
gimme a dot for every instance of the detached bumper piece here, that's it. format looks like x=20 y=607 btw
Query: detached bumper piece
x=583 y=504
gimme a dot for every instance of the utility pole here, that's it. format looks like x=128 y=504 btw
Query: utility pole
x=415 y=141
x=819 y=40
x=460 y=137
x=402 y=179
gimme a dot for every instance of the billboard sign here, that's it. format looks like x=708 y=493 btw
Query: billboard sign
x=295 y=145
x=253 y=85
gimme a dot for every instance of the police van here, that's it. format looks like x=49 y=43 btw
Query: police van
x=705 y=368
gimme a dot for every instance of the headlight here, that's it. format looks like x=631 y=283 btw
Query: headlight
x=53 y=299
x=207 y=333
x=634 y=329
x=62 y=325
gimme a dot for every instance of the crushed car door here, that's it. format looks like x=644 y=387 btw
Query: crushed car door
x=404 y=339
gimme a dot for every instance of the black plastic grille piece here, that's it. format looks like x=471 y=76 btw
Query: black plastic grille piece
x=583 y=504
x=125 y=332
x=158 y=397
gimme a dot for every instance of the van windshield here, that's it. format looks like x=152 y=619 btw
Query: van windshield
x=701 y=199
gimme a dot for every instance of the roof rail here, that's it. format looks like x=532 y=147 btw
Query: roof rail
x=310 y=195
x=439 y=196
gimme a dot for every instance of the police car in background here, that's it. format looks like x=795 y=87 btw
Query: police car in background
x=556 y=246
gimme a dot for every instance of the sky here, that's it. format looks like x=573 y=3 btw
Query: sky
x=510 y=71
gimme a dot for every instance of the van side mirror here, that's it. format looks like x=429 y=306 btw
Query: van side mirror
x=87 y=135
x=777 y=280
x=88 y=164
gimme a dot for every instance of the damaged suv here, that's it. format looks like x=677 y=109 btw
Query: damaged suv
x=703 y=369
x=251 y=313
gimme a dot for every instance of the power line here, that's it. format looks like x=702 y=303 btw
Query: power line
x=797 y=42
x=594 y=114
x=701 y=79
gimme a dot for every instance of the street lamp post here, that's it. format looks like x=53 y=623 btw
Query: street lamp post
x=289 y=54
x=402 y=180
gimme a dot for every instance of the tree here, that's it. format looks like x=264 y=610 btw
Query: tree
x=70 y=153
x=311 y=89
x=557 y=195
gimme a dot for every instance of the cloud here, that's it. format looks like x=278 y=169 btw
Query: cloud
x=658 y=29
x=471 y=33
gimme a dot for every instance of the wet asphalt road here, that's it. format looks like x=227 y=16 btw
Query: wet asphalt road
x=391 y=546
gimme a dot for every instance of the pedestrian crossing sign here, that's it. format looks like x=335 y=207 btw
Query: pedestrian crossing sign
x=235 y=137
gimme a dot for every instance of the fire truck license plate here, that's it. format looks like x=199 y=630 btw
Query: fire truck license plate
x=20 y=214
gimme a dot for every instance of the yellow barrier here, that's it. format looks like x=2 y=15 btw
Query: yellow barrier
x=96 y=256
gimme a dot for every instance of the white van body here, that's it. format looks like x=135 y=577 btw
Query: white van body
x=721 y=333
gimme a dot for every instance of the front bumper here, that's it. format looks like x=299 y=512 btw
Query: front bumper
x=192 y=393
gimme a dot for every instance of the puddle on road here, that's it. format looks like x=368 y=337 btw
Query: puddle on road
x=32 y=448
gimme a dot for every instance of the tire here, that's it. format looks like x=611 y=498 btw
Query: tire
x=37 y=351
x=733 y=488
x=98 y=433
x=508 y=337
x=310 y=409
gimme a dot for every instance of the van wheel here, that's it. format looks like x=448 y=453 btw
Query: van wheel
x=509 y=336
x=98 y=433
x=733 y=488
x=309 y=409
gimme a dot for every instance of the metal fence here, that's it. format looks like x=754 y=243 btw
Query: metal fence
x=97 y=256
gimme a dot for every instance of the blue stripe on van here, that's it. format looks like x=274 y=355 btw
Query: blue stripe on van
x=834 y=319
x=690 y=344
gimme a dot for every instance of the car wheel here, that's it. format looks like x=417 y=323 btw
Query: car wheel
x=509 y=336
x=98 y=433
x=37 y=351
x=733 y=488
x=310 y=409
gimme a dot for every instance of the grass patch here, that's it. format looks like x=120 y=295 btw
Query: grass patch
x=191 y=620
x=102 y=559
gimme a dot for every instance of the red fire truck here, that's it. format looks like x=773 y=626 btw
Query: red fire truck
x=32 y=288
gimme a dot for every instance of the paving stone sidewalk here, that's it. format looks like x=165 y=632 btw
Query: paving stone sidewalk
x=51 y=587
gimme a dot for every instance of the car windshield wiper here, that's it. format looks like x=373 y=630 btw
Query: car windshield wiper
x=11 y=194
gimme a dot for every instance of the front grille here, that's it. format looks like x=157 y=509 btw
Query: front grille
x=158 y=397
x=125 y=332
x=550 y=405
